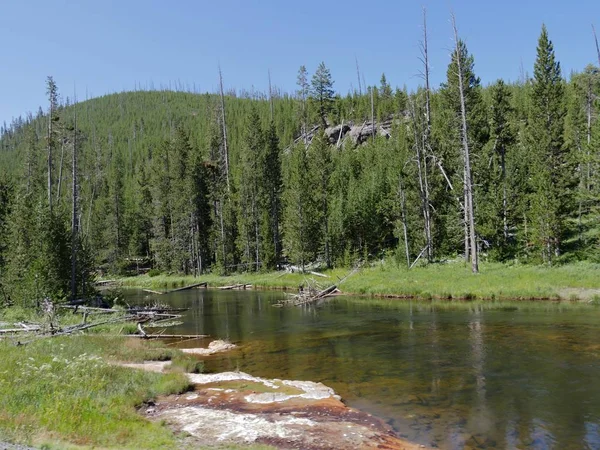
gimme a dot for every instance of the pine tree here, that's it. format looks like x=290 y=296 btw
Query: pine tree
x=462 y=97
x=320 y=164
x=162 y=197
x=201 y=173
x=250 y=194
x=300 y=218
x=303 y=93
x=551 y=174
x=271 y=211
x=5 y=200
x=385 y=104
x=497 y=187
x=322 y=92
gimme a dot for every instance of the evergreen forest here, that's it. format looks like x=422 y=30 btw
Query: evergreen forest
x=185 y=182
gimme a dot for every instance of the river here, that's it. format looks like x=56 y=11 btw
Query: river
x=453 y=375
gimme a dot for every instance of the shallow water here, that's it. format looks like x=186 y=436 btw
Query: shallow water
x=471 y=375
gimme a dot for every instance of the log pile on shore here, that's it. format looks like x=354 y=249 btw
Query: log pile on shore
x=150 y=317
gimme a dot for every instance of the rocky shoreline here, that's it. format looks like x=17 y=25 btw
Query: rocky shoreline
x=238 y=408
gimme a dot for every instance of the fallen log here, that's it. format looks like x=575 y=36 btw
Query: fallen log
x=309 y=296
x=191 y=286
x=103 y=282
x=90 y=309
x=169 y=336
x=15 y=330
x=155 y=310
x=153 y=292
x=184 y=288
x=233 y=286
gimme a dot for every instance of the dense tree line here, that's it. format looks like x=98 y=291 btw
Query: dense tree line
x=193 y=182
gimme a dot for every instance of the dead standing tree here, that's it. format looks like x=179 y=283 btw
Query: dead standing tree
x=597 y=46
x=423 y=145
x=224 y=126
x=470 y=241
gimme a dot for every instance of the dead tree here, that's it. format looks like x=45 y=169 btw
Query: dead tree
x=372 y=114
x=468 y=180
x=52 y=92
x=74 y=221
x=597 y=46
x=403 y=219
x=358 y=77
x=426 y=145
x=224 y=126
x=270 y=95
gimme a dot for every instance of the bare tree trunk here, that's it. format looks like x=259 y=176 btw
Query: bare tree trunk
x=403 y=218
x=60 y=170
x=589 y=129
x=504 y=194
x=222 y=226
x=423 y=191
x=50 y=145
x=426 y=143
x=466 y=216
x=198 y=250
x=466 y=158
x=270 y=96
x=256 y=231
x=74 y=222
x=597 y=46
x=225 y=149
x=372 y=115
x=358 y=76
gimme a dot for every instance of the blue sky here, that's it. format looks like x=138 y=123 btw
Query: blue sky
x=99 y=47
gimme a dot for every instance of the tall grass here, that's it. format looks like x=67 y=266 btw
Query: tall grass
x=451 y=280
x=64 y=390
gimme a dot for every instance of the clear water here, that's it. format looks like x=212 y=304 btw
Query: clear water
x=474 y=375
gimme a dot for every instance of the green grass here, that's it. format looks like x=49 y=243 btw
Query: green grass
x=65 y=391
x=451 y=280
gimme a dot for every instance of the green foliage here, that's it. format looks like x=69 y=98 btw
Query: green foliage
x=66 y=388
x=300 y=216
x=161 y=181
x=322 y=92
x=551 y=173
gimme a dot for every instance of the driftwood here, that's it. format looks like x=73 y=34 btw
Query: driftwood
x=235 y=286
x=313 y=293
x=93 y=310
x=191 y=286
x=309 y=295
x=185 y=288
x=104 y=282
x=33 y=332
x=150 y=291
x=169 y=336
x=141 y=329
x=24 y=328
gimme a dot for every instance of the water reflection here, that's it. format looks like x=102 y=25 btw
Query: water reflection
x=489 y=375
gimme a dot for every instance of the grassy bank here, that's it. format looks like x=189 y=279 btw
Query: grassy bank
x=65 y=393
x=453 y=280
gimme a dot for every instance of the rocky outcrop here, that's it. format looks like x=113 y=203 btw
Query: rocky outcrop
x=235 y=408
x=356 y=133
x=333 y=133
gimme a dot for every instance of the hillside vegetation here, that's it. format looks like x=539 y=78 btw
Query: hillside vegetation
x=192 y=183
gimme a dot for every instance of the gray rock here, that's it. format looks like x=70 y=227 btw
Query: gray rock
x=333 y=133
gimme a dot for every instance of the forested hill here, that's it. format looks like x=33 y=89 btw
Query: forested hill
x=505 y=172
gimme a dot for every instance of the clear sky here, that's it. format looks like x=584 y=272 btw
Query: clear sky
x=99 y=47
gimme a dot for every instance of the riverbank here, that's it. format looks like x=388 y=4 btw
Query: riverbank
x=452 y=280
x=100 y=391
x=65 y=392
